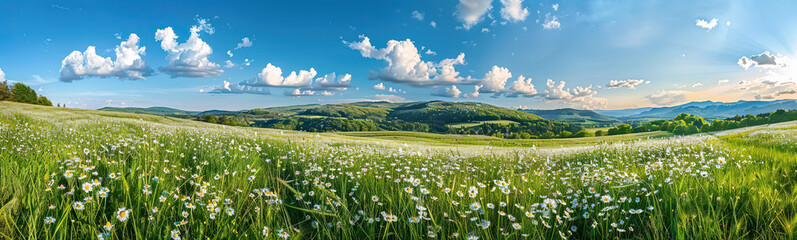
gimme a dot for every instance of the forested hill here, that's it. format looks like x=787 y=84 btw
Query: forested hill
x=433 y=116
x=585 y=118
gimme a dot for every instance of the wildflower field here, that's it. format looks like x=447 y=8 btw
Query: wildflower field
x=83 y=174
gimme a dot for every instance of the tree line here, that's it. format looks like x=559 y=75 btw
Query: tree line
x=19 y=92
x=685 y=123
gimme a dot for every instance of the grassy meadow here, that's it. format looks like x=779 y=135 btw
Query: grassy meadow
x=84 y=174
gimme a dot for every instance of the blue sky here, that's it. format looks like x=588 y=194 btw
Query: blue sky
x=581 y=54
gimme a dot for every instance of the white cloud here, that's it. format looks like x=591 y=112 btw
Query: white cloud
x=451 y=92
x=471 y=12
x=473 y=94
x=551 y=22
x=389 y=98
x=514 y=11
x=244 y=43
x=380 y=86
x=332 y=82
x=227 y=87
x=271 y=76
x=773 y=68
x=523 y=86
x=706 y=24
x=229 y=52
x=494 y=81
x=307 y=92
x=485 y=30
x=417 y=15
x=764 y=59
x=128 y=63
x=2 y=75
x=722 y=81
x=433 y=24
x=298 y=92
x=430 y=52
x=583 y=97
x=189 y=59
x=629 y=83
x=229 y=64
x=697 y=85
x=665 y=98
x=555 y=7
x=405 y=64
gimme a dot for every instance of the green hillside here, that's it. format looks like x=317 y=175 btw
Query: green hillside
x=585 y=118
x=434 y=117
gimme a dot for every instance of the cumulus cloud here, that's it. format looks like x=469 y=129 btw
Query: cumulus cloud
x=628 y=83
x=389 y=98
x=494 y=81
x=471 y=12
x=380 y=86
x=764 y=59
x=298 y=92
x=245 y=42
x=473 y=94
x=774 y=68
x=664 y=97
x=551 y=22
x=2 y=75
x=451 y=92
x=522 y=86
x=271 y=76
x=706 y=24
x=583 y=97
x=514 y=11
x=229 y=64
x=228 y=88
x=188 y=59
x=417 y=15
x=332 y=82
x=405 y=64
x=127 y=65
x=697 y=85
x=722 y=81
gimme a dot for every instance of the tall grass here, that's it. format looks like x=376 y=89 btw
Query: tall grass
x=189 y=180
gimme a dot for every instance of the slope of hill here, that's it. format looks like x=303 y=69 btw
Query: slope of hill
x=439 y=112
x=434 y=116
x=585 y=118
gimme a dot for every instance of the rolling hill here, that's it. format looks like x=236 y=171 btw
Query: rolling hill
x=585 y=118
x=433 y=116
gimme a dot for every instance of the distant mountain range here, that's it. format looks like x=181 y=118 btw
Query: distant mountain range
x=706 y=109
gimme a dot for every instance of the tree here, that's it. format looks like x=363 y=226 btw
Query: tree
x=23 y=93
x=211 y=119
x=565 y=134
x=600 y=133
x=5 y=92
x=583 y=133
x=42 y=100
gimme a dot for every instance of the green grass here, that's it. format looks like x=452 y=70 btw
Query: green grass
x=728 y=185
x=454 y=139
